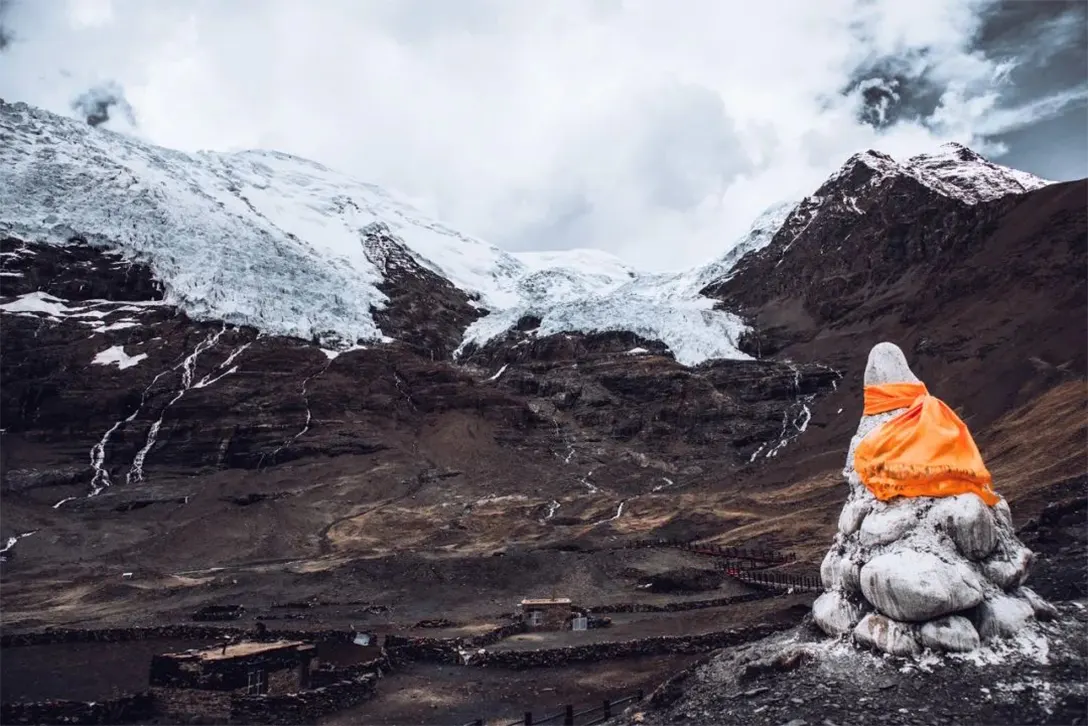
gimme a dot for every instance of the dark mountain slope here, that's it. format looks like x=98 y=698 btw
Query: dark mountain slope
x=988 y=300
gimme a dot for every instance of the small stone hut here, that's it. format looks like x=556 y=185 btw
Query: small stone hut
x=200 y=683
x=546 y=613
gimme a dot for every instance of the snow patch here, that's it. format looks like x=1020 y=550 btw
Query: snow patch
x=496 y=376
x=553 y=507
x=11 y=543
x=334 y=354
x=668 y=483
x=37 y=302
x=115 y=355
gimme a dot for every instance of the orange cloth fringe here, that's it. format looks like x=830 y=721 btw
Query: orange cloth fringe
x=926 y=451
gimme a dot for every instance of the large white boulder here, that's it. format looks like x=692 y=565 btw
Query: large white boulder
x=914 y=586
x=853 y=513
x=835 y=613
x=887 y=364
x=1043 y=609
x=888 y=522
x=968 y=522
x=1008 y=569
x=1001 y=616
x=953 y=633
x=886 y=634
x=851 y=574
x=831 y=570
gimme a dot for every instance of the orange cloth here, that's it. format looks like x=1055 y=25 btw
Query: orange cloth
x=926 y=451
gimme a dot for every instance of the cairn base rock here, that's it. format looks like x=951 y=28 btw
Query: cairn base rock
x=916 y=586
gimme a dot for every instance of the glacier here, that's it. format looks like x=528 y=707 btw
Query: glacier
x=273 y=241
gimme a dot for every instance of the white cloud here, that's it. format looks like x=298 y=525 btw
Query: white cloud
x=650 y=129
x=89 y=13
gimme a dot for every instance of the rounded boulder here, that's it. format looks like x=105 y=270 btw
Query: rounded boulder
x=914 y=586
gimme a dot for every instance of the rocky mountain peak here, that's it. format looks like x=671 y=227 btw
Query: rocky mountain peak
x=954 y=171
x=974 y=178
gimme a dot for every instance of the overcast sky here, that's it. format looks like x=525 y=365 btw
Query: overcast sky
x=654 y=129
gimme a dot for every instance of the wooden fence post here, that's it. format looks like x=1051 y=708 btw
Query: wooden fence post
x=568 y=715
x=528 y=718
x=607 y=709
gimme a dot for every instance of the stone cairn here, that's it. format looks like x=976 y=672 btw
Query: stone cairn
x=943 y=573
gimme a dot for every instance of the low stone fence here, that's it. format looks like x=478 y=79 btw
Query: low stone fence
x=325 y=676
x=735 y=553
x=138 y=708
x=163 y=632
x=674 y=607
x=659 y=645
x=305 y=706
x=404 y=648
x=494 y=636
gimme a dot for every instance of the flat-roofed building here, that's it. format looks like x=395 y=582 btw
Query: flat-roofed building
x=201 y=682
x=546 y=613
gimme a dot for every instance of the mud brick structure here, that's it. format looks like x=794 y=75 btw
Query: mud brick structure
x=202 y=683
x=546 y=614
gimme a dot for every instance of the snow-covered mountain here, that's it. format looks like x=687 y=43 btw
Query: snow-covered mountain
x=273 y=241
x=953 y=171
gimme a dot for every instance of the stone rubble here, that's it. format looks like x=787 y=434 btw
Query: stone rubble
x=910 y=574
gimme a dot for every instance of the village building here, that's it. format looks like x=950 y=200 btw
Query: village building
x=549 y=614
x=201 y=682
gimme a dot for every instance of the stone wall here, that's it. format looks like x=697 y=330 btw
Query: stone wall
x=406 y=648
x=164 y=632
x=494 y=636
x=124 y=710
x=305 y=706
x=340 y=653
x=673 y=607
x=326 y=675
x=660 y=645
x=191 y=705
x=403 y=649
x=288 y=680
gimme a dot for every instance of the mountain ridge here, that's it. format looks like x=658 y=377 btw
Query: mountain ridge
x=299 y=228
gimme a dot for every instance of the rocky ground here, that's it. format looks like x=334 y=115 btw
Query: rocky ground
x=802 y=677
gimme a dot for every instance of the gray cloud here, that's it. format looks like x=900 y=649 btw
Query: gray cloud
x=6 y=34
x=95 y=104
x=634 y=127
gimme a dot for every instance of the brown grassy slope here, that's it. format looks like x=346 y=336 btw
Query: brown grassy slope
x=1031 y=452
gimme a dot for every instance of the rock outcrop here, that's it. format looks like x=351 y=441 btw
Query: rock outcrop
x=943 y=573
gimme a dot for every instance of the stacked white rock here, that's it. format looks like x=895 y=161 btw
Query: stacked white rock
x=908 y=574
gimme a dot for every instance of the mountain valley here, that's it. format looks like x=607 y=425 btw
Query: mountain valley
x=245 y=378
